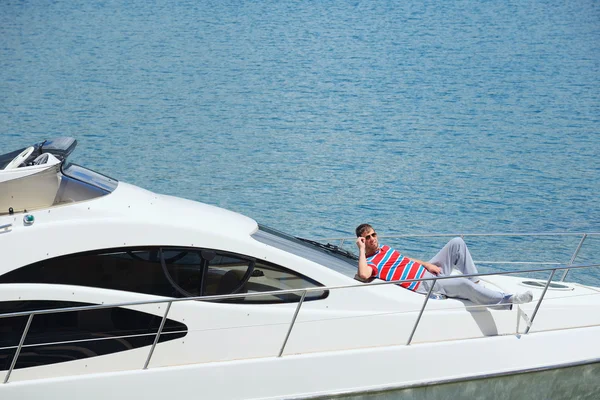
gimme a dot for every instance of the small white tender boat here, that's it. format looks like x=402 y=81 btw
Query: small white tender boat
x=109 y=290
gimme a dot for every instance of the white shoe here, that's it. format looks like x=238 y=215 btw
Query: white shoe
x=522 y=298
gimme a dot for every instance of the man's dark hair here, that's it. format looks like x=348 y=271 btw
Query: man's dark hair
x=361 y=228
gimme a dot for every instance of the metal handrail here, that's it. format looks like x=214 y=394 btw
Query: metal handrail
x=574 y=255
x=18 y=351
x=515 y=234
x=287 y=336
x=281 y=292
x=342 y=240
x=412 y=333
x=583 y=235
x=95 y=339
x=160 y=329
x=539 y=303
x=304 y=291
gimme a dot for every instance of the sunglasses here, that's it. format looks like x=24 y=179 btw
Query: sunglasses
x=372 y=235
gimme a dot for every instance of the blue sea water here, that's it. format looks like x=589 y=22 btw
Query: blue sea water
x=315 y=116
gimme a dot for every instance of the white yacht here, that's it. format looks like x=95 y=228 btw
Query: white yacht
x=108 y=290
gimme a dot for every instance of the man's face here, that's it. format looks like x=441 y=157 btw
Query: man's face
x=371 y=243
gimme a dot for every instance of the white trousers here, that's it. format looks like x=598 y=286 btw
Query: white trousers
x=455 y=254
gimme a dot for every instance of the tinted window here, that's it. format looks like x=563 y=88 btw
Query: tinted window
x=184 y=271
x=128 y=270
x=226 y=274
x=169 y=272
x=269 y=277
x=74 y=335
x=90 y=177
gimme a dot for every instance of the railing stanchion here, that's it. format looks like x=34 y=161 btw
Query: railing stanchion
x=574 y=256
x=537 y=307
x=160 y=329
x=292 y=323
x=421 y=312
x=14 y=361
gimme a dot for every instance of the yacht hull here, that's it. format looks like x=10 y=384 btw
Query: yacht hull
x=547 y=365
x=571 y=382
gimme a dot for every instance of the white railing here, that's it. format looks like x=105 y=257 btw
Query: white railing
x=302 y=292
x=341 y=241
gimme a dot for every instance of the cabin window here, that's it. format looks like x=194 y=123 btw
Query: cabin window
x=75 y=335
x=132 y=270
x=267 y=277
x=226 y=274
x=171 y=272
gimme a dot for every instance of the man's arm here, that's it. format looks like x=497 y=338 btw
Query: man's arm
x=364 y=271
x=434 y=269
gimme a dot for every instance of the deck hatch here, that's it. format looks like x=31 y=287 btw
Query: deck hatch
x=551 y=286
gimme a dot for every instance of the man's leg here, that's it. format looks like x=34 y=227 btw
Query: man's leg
x=455 y=254
x=463 y=288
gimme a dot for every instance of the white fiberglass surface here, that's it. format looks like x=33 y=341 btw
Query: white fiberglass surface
x=49 y=187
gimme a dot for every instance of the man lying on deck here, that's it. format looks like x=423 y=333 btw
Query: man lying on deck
x=386 y=263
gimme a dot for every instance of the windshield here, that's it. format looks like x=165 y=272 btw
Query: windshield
x=90 y=177
x=80 y=184
x=328 y=255
x=38 y=178
x=49 y=187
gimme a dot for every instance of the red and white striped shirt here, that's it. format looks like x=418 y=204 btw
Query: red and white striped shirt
x=390 y=265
